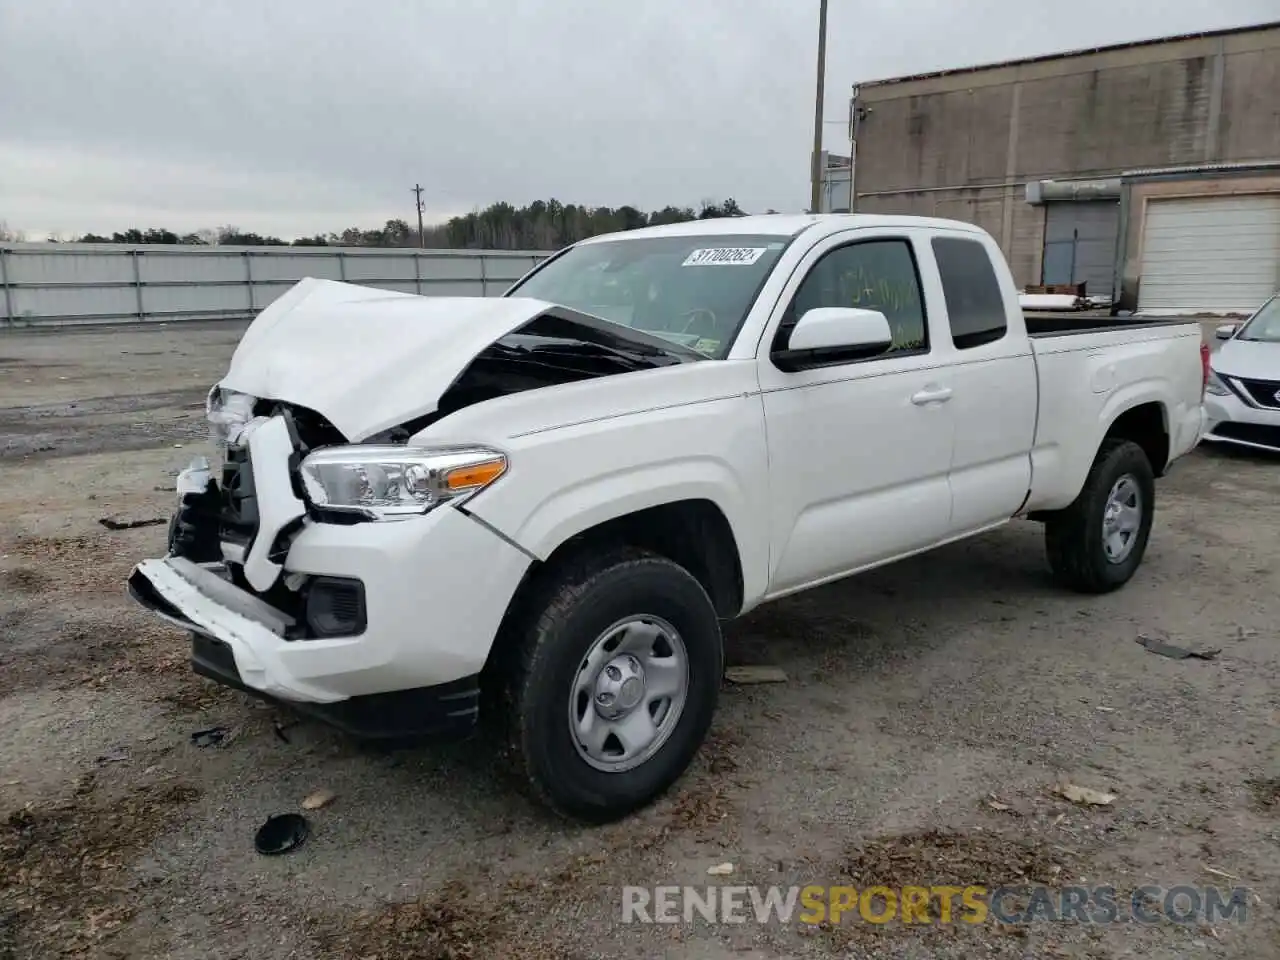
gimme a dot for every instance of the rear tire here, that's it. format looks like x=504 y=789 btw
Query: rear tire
x=1097 y=543
x=564 y=684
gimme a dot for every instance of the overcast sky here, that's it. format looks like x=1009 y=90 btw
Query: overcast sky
x=297 y=116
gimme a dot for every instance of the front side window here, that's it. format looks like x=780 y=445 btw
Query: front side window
x=871 y=275
x=693 y=290
x=975 y=306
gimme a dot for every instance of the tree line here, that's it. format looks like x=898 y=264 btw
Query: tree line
x=541 y=225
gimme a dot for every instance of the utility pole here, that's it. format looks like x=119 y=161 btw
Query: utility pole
x=815 y=197
x=417 y=198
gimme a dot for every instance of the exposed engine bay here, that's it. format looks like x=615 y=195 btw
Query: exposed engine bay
x=217 y=519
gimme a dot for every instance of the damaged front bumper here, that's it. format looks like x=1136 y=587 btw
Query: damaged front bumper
x=430 y=593
x=237 y=640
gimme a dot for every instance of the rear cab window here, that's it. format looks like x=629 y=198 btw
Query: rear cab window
x=975 y=305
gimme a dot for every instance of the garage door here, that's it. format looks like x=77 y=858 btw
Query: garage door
x=1211 y=254
x=1080 y=244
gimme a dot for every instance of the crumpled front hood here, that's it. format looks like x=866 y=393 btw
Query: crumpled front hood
x=364 y=359
x=1251 y=359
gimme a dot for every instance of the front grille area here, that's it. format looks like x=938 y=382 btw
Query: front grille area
x=309 y=428
x=1262 y=392
x=1259 y=433
x=238 y=520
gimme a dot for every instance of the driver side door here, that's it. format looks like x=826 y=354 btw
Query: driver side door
x=859 y=448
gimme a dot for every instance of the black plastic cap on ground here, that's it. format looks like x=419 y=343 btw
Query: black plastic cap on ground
x=281 y=833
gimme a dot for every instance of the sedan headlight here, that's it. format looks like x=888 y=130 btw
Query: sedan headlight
x=394 y=483
x=1216 y=386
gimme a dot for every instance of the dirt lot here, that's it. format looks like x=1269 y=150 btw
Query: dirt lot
x=930 y=710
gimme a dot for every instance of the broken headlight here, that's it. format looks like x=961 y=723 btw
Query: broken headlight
x=229 y=413
x=393 y=483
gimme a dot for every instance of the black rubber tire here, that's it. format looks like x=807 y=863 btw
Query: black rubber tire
x=1073 y=536
x=548 y=637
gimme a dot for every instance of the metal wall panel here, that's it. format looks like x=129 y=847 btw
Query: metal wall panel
x=436 y=287
x=293 y=267
x=163 y=267
x=401 y=286
x=364 y=269
x=26 y=266
x=264 y=292
x=72 y=302
x=455 y=268
x=164 y=302
x=509 y=269
x=46 y=284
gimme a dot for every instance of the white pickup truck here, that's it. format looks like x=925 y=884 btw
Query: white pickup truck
x=560 y=495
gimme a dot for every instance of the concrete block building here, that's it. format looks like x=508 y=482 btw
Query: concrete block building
x=1148 y=171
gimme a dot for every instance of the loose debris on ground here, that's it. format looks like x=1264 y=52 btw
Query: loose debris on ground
x=1174 y=652
x=318 y=799
x=210 y=737
x=112 y=524
x=1266 y=794
x=941 y=857
x=282 y=833
x=744 y=675
x=1086 y=796
x=64 y=865
x=457 y=923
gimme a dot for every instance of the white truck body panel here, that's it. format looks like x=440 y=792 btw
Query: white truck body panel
x=366 y=359
x=819 y=473
x=1088 y=380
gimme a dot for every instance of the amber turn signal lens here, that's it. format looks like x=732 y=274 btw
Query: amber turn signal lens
x=474 y=475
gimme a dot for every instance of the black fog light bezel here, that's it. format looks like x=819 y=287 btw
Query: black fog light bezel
x=316 y=627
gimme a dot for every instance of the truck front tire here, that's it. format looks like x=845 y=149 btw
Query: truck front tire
x=611 y=681
x=1097 y=543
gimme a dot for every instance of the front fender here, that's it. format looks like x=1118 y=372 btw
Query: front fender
x=589 y=503
x=566 y=481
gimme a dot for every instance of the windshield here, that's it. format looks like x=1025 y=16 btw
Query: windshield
x=1265 y=325
x=691 y=290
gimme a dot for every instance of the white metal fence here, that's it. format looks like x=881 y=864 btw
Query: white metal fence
x=64 y=284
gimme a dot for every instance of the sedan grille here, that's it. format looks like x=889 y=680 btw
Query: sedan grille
x=1262 y=392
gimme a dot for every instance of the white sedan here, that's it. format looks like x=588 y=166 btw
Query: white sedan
x=1243 y=400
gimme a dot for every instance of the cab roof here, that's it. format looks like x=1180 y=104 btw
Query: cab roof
x=783 y=225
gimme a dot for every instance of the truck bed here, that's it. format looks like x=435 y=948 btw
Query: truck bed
x=1066 y=324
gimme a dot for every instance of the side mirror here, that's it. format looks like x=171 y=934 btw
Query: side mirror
x=1226 y=331
x=834 y=334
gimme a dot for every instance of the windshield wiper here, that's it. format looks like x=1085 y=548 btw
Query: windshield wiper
x=568 y=358
x=638 y=359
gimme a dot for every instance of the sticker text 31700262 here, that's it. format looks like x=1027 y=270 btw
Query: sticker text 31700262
x=723 y=257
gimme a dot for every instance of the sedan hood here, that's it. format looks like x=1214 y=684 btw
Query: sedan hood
x=364 y=359
x=1250 y=359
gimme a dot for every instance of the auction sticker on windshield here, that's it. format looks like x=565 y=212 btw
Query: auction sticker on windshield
x=724 y=257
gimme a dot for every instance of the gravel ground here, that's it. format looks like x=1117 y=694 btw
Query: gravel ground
x=930 y=712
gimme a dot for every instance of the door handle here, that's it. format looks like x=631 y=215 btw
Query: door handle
x=931 y=395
